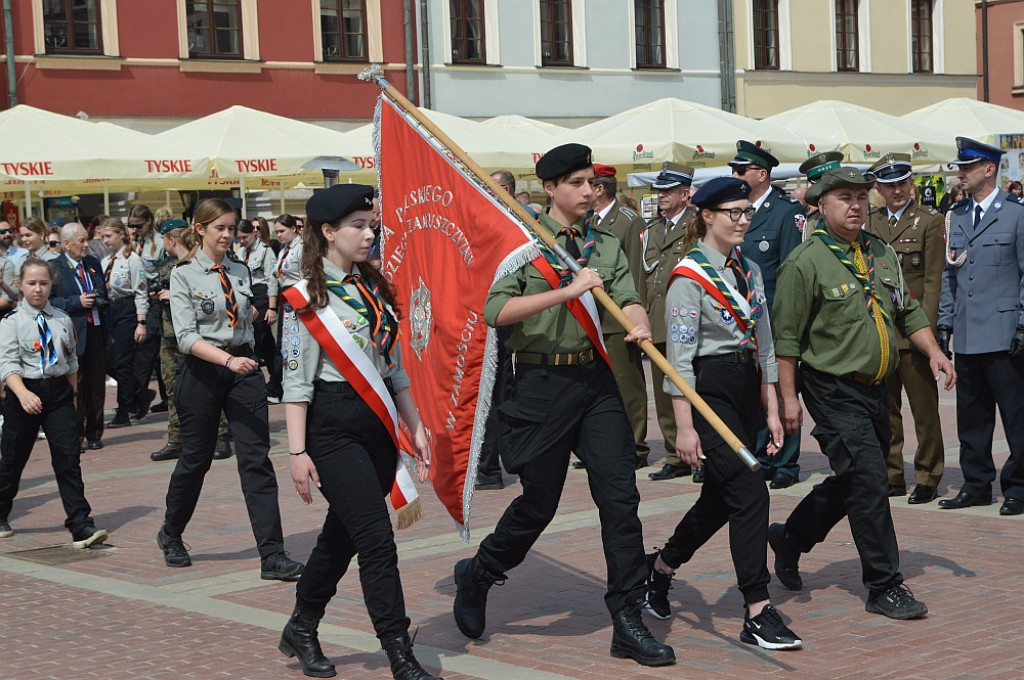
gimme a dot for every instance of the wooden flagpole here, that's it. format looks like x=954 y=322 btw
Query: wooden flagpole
x=375 y=75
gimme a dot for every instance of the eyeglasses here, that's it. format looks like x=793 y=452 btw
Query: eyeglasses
x=736 y=213
x=6 y=231
x=54 y=244
x=136 y=225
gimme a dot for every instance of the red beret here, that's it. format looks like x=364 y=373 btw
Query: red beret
x=604 y=170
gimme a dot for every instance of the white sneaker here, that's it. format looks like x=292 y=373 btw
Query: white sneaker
x=110 y=382
x=41 y=435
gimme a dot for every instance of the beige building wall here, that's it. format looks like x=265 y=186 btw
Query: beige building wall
x=807 y=64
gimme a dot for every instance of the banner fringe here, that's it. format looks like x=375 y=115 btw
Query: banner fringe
x=409 y=514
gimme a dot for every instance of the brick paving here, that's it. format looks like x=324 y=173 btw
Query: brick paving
x=117 y=612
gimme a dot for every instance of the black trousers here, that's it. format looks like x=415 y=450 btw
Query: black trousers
x=851 y=424
x=985 y=381
x=121 y=358
x=731 y=492
x=147 y=353
x=355 y=458
x=266 y=347
x=489 y=465
x=92 y=390
x=19 y=436
x=551 y=411
x=201 y=391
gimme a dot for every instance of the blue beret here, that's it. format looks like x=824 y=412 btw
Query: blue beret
x=563 y=160
x=971 y=151
x=892 y=168
x=720 y=190
x=748 y=153
x=333 y=203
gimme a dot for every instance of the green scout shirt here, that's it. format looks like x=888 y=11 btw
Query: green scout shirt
x=555 y=330
x=821 y=316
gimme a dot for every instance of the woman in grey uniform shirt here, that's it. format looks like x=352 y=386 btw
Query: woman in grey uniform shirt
x=336 y=439
x=720 y=342
x=125 y=276
x=212 y=312
x=39 y=366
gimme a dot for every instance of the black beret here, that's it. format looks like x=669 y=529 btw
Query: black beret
x=333 y=203
x=563 y=160
x=720 y=190
x=171 y=225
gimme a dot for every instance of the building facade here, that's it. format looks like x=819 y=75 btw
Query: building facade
x=1002 y=77
x=890 y=55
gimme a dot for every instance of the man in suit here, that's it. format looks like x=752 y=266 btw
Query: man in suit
x=776 y=229
x=628 y=226
x=982 y=308
x=662 y=250
x=915 y=233
x=80 y=291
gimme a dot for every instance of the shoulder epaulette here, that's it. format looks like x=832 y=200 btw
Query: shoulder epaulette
x=628 y=212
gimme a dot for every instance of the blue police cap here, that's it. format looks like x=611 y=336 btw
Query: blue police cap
x=720 y=190
x=971 y=151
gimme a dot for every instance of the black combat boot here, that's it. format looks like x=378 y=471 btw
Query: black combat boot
x=632 y=640
x=472 y=582
x=298 y=639
x=404 y=665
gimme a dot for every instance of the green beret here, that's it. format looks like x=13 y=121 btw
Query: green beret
x=170 y=225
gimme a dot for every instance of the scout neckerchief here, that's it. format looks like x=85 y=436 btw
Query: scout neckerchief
x=743 y=308
x=110 y=266
x=284 y=256
x=230 y=303
x=383 y=326
x=353 y=364
x=47 y=353
x=864 y=272
x=583 y=308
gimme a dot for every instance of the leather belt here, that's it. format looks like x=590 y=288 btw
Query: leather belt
x=573 y=359
x=863 y=381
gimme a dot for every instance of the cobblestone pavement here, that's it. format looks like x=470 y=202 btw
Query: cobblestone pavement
x=117 y=612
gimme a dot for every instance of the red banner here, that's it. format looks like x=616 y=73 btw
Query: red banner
x=445 y=240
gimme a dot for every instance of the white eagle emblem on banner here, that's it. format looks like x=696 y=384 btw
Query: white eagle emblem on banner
x=420 y=318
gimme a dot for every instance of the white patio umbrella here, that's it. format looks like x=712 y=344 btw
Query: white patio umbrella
x=862 y=134
x=962 y=117
x=516 y=122
x=670 y=129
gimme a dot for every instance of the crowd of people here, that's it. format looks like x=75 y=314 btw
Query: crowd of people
x=755 y=297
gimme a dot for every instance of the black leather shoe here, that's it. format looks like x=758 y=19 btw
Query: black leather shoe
x=94 y=445
x=489 y=482
x=641 y=463
x=631 y=638
x=964 y=500
x=168 y=452
x=143 y=405
x=404 y=665
x=120 y=419
x=669 y=472
x=579 y=465
x=472 y=582
x=222 y=450
x=1012 y=506
x=299 y=639
x=782 y=481
x=897 y=490
x=923 y=494
x=787 y=557
x=698 y=476
x=159 y=408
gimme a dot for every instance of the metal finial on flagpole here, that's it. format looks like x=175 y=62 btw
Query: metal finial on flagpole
x=374 y=73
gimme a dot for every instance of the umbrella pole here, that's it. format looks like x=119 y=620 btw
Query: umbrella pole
x=602 y=297
x=282 y=198
x=106 y=200
x=241 y=191
x=28 y=199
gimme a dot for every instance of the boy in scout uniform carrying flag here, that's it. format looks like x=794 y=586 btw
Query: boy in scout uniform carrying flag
x=915 y=233
x=564 y=398
x=839 y=306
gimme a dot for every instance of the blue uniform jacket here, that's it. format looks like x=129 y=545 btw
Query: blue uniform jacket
x=775 y=230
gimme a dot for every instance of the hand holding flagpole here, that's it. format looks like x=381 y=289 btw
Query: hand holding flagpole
x=375 y=74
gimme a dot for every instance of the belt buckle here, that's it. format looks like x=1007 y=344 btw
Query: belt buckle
x=585 y=357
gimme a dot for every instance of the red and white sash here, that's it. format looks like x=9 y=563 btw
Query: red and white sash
x=695 y=272
x=583 y=308
x=336 y=341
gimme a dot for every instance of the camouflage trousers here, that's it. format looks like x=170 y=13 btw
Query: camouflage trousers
x=169 y=358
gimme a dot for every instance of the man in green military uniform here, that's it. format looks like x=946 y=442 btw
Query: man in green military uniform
x=839 y=307
x=628 y=226
x=662 y=244
x=173 y=230
x=916 y=233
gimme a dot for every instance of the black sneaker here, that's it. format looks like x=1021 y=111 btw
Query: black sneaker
x=896 y=602
x=88 y=536
x=787 y=557
x=280 y=567
x=5 y=528
x=658 y=585
x=767 y=630
x=175 y=553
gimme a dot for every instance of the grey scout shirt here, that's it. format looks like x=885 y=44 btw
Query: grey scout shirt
x=288 y=267
x=20 y=344
x=7 y=272
x=260 y=259
x=127 y=279
x=305 y=361
x=699 y=326
x=198 y=304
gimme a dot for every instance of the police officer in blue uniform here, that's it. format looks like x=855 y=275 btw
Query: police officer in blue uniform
x=982 y=308
x=776 y=229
